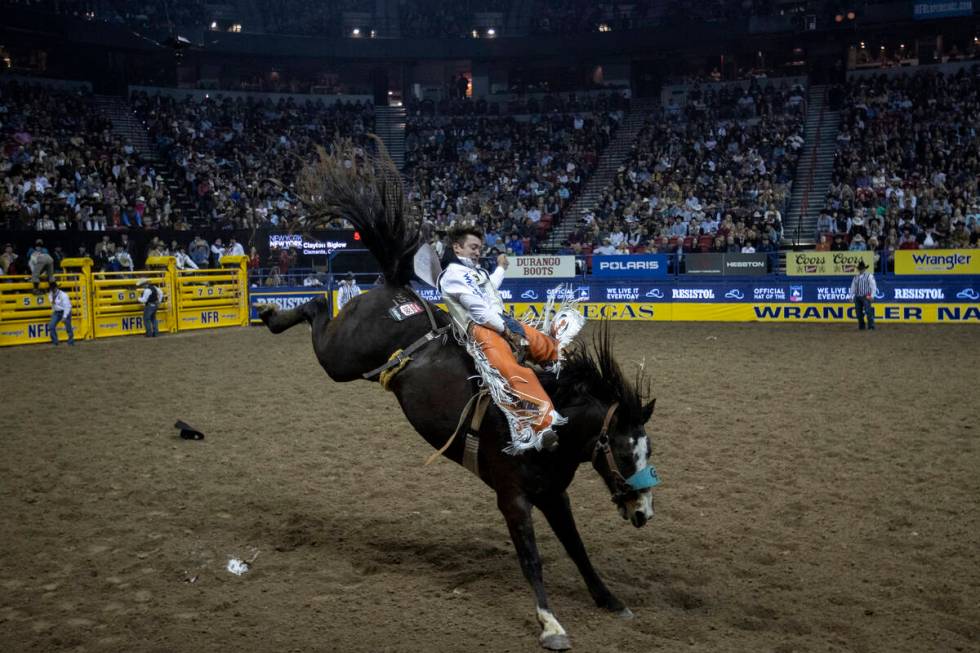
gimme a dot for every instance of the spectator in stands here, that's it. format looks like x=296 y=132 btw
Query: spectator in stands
x=235 y=248
x=200 y=252
x=184 y=261
x=8 y=260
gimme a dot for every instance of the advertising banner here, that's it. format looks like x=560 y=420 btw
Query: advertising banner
x=541 y=267
x=928 y=9
x=745 y=264
x=314 y=246
x=815 y=264
x=937 y=261
x=705 y=264
x=634 y=266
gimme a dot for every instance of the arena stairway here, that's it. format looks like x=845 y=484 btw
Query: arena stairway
x=389 y=125
x=814 y=170
x=614 y=155
x=130 y=127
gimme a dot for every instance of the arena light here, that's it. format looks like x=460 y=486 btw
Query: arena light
x=236 y=27
x=851 y=15
x=839 y=18
x=604 y=27
x=862 y=45
x=476 y=34
x=374 y=33
x=491 y=32
x=356 y=32
x=214 y=24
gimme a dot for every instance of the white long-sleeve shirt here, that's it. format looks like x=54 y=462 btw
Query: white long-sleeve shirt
x=476 y=291
x=60 y=301
x=147 y=291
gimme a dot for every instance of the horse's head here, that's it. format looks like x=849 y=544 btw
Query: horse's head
x=593 y=390
x=621 y=457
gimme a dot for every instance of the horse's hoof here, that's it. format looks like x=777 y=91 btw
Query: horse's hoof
x=556 y=642
x=625 y=613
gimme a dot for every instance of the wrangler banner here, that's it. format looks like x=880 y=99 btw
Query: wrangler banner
x=827 y=264
x=937 y=261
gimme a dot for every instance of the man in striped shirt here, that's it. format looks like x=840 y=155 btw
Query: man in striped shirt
x=347 y=290
x=863 y=290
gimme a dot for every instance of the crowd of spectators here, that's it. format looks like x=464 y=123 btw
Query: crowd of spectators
x=519 y=105
x=63 y=168
x=133 y=13
x=437 y=19
x=227 y=149
x=907 y=164
x=513 y=177
x=304 y=18
x=701 y=181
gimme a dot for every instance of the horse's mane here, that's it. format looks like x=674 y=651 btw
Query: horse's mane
x=592 y=370
x=362 y=185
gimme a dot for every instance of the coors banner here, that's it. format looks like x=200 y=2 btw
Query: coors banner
x=826 y=264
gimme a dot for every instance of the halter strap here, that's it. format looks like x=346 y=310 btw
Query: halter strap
x=641 y=480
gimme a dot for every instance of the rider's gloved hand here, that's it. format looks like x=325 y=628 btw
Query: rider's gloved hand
x=511 y=325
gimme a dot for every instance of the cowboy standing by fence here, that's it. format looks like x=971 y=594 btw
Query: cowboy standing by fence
x=863 y=290
x=150 y=299
x=60 y=311
x=472 y=297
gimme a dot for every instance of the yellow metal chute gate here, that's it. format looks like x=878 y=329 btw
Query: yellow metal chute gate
x=106 y=304
x=213 y=298
x=117 y=310
x=25 y=315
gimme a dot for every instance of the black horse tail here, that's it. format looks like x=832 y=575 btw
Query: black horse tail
x=363 y=185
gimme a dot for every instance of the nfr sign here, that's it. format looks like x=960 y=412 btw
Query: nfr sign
x=132 y=323
x=38 y=331
x=210 y=317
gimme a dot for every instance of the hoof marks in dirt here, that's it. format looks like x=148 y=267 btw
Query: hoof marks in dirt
x=556 y=642
x=683 y=599
x=300 y=530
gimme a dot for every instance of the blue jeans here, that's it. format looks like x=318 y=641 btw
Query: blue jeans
x=58 y=316
x=150 y=320
x=863 y=306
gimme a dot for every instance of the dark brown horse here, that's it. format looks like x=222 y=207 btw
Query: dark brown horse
x=606 y=412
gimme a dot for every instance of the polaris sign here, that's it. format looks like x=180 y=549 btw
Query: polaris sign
x=634 y=266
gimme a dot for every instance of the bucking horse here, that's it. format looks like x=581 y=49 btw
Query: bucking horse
x=391 y=335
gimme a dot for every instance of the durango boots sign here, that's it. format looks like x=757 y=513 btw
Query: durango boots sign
x=541 y=267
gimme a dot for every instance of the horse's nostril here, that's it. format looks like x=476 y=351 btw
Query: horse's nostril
x=639 y=518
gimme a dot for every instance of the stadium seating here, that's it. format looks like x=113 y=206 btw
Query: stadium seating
x=906 y=167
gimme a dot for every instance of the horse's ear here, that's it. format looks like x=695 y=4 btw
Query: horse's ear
x=648 y=410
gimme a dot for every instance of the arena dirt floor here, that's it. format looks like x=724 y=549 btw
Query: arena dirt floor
x=820 y=494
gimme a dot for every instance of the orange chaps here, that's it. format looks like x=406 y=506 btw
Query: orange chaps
x=524 y=382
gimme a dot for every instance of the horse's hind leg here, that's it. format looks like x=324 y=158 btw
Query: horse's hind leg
x=558 y=512
x=280 y=321
x=517 y=512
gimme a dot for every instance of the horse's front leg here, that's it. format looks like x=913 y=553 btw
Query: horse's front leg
x=517 y=512
x=558 y=511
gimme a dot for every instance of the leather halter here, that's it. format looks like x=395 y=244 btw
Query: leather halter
x=641 y=480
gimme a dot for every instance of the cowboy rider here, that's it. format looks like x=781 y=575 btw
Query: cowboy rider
x=473 y=299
